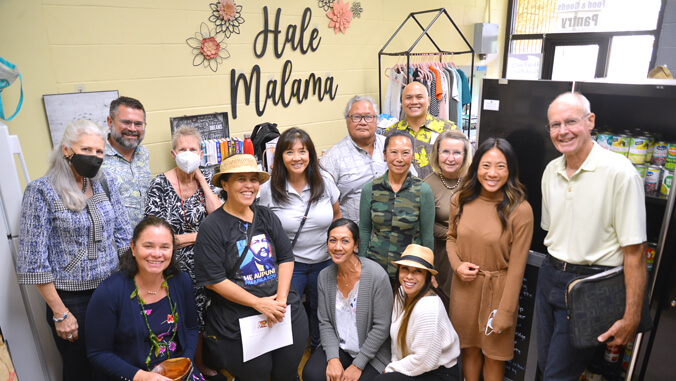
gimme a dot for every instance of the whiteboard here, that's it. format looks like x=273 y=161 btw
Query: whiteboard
x=63 y=109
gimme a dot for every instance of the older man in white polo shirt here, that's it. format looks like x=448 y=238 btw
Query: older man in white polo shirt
x=593 y=209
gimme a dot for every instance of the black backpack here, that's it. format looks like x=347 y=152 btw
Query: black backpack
x=262 y=134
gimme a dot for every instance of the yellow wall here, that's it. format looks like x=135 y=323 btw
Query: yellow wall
x=139 y=48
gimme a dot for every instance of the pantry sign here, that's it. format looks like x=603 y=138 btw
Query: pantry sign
x=580 y=15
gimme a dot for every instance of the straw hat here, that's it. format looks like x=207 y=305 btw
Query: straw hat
x=241 y=163
x=417 y=256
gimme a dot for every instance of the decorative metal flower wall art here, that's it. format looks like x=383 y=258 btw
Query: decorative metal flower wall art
x=340 y=16
x=356 y=9
x=227 y=16
x=325 y=4
x=208 y=48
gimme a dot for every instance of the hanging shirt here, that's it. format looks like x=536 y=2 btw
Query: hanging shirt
x=466 y=93
x=434 y=103
x=443 y=103
x=452 y=102
x=392 y=104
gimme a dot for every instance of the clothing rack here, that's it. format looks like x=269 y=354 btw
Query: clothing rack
x=439 y=53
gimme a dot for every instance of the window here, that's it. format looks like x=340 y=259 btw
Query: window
x=584 y=39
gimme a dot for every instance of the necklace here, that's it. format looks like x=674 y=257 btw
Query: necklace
x=155 y=343
x=154 y=292
x=346 y=277
x=84 y=185
x=457 y=182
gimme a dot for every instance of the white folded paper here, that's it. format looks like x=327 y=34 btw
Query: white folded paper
x=258 y=337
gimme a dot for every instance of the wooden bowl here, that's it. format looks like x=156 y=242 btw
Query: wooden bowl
x=177 y=369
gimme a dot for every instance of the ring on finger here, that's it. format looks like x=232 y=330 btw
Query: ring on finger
x=70 y=336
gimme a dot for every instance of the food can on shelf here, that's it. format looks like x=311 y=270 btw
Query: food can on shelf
x=667 y=178
x=641 y=169
x=670 y=164
x=638 y=149
x=621 y=144
x=626 y=359
x=652 y=178
x=660 y=153
x=650 y=250
x=605 y=139
x=651 y=147
x=612 y=353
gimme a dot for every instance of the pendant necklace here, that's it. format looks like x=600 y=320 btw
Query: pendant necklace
x=347 y=277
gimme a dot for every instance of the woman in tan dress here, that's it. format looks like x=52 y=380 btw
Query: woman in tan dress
x=491 y=226
x=451 y=155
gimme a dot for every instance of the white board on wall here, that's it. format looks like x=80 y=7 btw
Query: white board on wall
x=63 y=109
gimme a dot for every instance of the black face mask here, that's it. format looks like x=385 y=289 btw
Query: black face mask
x=85 y=165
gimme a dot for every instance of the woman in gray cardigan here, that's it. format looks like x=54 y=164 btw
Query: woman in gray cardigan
x=354 y=323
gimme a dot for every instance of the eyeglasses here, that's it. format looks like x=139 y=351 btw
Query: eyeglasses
x=570 y=122
x=358 y=118
x=128 y=123
x=489 y=324
x=455 y=154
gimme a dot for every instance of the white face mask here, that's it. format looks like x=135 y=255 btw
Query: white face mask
x=188 y=161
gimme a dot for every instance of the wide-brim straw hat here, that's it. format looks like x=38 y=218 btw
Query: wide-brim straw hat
x=417 y=256
x=241 y=163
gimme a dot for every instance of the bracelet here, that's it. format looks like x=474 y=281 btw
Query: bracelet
x=62 y=318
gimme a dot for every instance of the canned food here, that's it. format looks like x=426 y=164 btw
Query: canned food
x=612 y=353
x=671 y=156
x=650 y=250
x=667 y=178
x=621 y=144
x=626 y=359
x=652 y=178
x=651 y=147
x=660 y=153
x=605 y=139
x=641 y=169
x=638 y=149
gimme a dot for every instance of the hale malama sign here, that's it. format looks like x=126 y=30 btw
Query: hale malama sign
x=284 y=90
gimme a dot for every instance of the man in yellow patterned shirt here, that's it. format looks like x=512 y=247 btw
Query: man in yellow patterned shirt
x=423 y=127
